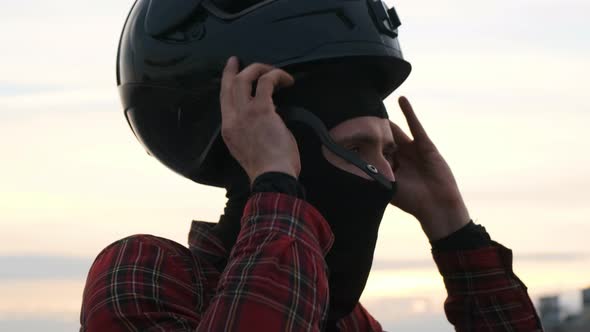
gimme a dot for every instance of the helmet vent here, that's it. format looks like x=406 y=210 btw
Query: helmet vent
x=164 y=16
x=235 y=6
x=339 y=13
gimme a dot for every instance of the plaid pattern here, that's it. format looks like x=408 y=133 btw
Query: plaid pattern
x=274 y=279
x=484 y=293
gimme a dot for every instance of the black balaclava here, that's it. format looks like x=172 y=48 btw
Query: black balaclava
x=237 y=187
x=352 y=206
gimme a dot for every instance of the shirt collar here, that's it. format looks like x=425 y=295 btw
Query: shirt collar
x=203 y=242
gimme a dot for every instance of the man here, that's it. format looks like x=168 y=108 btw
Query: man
x=293 y=250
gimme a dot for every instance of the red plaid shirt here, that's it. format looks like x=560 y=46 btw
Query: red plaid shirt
x=274 y=279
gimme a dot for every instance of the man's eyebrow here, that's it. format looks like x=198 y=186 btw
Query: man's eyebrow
x=366 y=139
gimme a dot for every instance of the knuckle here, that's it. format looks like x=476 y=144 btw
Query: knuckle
x=225 y=97
x=242 y=77
x=262 y=65
x=228 y=83
x=261 y=68
x=250 y=67
x=281 y=72
x=265 y=102
x=253 y=108
x=266 y=79
x=247 y=109
x=263 y=108
x=224 y=86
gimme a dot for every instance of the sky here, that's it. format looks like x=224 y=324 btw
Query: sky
x=500 y=86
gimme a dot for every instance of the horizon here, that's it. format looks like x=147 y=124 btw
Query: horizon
x=500 y=87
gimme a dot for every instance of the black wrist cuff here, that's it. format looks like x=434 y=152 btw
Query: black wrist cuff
x=471 y=236
x=278 y=183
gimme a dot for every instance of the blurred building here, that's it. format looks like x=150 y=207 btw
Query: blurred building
x=573 y=323
x=549 y=311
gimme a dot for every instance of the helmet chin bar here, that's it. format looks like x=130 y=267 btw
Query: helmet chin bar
x=299 y=114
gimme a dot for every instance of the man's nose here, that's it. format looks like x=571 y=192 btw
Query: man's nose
x=385 y=169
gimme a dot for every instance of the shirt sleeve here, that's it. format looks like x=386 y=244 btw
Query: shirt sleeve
x=484 y=294
x=275 y=279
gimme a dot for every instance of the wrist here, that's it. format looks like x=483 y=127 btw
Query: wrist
x=438 y=223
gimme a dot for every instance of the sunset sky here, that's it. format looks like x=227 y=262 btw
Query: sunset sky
x=501 y=87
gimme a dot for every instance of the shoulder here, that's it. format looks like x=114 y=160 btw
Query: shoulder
x=144 y=252
x=139 y=274
x=134 y=243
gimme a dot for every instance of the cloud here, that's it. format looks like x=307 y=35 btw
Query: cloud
x=34 y=325
x=409 y=313
x=16 y=89
x=24 y=99
x=30 y=267
x=41 y=267
x=559 y=257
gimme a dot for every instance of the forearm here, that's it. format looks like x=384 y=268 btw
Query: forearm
x=484 y=294
x=276 y=269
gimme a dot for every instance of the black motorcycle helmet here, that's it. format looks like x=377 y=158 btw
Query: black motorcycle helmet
x=172 y=53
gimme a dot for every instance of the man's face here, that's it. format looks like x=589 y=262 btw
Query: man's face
x=371 y=138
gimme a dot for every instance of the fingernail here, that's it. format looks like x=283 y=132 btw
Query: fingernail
x=230 y=60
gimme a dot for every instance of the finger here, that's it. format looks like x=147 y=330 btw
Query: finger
x=229 y=73
x=398 y=134
x=242 y=89
x=415 y=126
x=269 y=82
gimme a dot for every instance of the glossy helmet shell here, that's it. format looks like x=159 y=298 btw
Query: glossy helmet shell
x=172 y=53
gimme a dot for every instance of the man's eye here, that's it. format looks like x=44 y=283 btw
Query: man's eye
x=355 y=149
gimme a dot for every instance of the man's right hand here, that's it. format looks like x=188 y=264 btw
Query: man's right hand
x=254 y=133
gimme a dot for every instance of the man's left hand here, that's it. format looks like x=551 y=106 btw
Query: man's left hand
x=426 y=186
